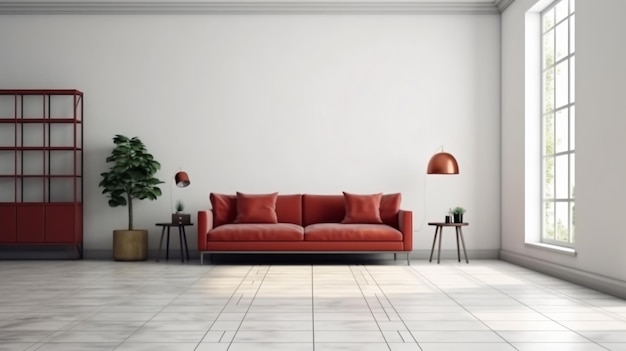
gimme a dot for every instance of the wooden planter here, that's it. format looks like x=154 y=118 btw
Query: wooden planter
x=130 y=245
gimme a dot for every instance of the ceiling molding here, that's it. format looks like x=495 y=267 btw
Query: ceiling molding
x=502 y=4
x=244 y=7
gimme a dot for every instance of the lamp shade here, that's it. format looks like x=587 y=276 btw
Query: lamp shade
x=181 y=179
x=443 y=163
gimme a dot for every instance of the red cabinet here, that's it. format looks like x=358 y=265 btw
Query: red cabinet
x=41 y=167
x=8 y=223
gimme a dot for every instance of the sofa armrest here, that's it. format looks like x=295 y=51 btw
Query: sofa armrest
x=205 y=224
x=405 y=222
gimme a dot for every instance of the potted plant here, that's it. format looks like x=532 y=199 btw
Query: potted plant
x=458 y=212
x=180 y=206
x=130 y=177
x=180 y=217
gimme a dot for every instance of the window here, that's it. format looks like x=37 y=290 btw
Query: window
x=558 y=123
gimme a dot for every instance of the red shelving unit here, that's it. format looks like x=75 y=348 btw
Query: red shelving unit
x=41 y=168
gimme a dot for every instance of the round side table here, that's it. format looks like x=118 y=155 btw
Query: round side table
x=438 y=232
x=182 y=236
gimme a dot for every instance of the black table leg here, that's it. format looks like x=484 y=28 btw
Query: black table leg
x=433 y=248
x=180 y=238
x=167 y=251
x=185 y=239
x=463 y=243
x=439 y=249
x=458 y=252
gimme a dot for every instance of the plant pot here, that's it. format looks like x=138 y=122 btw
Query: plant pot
x=448 y=219
x=130 y=245
x=458 y=218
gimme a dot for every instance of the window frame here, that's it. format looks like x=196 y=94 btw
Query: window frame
x=545 y=113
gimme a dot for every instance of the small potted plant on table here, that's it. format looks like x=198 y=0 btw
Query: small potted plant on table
x=458 y=212
x=180 y=217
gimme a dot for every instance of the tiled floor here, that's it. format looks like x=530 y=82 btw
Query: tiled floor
x=484 y=305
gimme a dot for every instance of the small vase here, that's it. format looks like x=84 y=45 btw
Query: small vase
x=448 y=219
x=458 y=218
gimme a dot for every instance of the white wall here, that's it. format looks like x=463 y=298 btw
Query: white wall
x=600 y=126
x=287 y=103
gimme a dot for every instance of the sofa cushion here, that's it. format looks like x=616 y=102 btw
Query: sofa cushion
x=289 y=209
x=362 y=208
x=224 y=208
x=351 y=232
x=257 y=232
x=390 y=209
x=256 y=208
x=322 y=209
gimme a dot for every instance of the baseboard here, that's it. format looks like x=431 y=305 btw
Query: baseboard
x=487 y=254
x=102 y=254
x=38 y=252
x=590 y=280
x=152 y=254
x=416 y=254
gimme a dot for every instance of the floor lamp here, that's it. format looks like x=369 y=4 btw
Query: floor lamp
x=439 y=163
x=181 y=180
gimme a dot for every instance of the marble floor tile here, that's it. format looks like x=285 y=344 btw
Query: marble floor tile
x=285 y=325
x=354 y=325
x=76 y=346
x=161 y=336
x=265 y=346
x=347 y=336
x=25 y=325
x=542 y=336
x=445 y=346
x=273 y=336
x=282 y=316
x=11 y=337
x=84 y=336
x=92 y=325
x=351 y=346
x=17 y=346
x=155 y=346
x=614 y=346
x=558 y=347
x=456 y=337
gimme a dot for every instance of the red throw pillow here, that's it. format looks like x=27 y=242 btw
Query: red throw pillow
x=389 y=208
x=224 y=208
x=257 y=208
x=362 y=209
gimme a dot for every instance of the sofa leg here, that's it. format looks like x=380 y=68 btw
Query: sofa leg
x=408 y=261
x=201 y=258
x=394 y=256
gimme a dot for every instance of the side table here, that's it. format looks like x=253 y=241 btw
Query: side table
x=183 y=239
x=459 y=233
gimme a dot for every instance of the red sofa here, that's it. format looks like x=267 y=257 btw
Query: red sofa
x=304 y=223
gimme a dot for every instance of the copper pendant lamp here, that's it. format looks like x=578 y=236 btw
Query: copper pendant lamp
x=443 y=163
x=181 y=179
